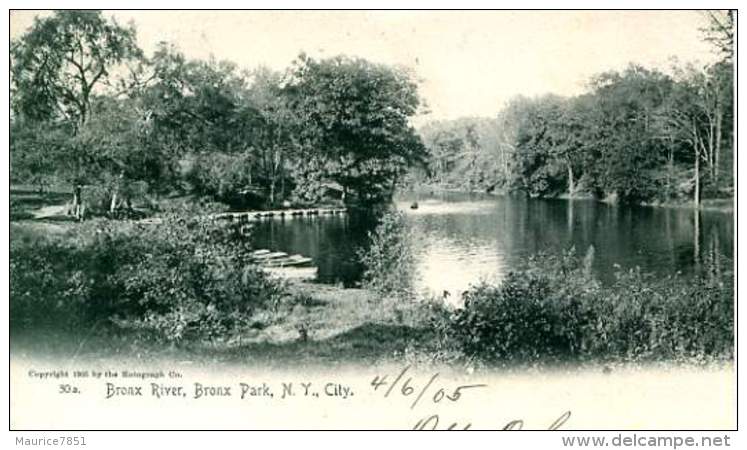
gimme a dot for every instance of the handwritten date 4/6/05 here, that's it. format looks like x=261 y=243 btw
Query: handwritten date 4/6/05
x=407 y=387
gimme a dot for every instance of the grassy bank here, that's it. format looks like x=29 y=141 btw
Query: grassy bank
x=343 y=326
x=184 y=290
x=106 y=288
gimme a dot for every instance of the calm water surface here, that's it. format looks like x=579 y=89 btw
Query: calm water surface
x=464 y=238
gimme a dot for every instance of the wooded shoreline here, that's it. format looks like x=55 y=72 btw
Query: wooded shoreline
x=725 y=205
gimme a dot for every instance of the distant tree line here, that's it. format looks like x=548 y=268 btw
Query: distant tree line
x=637 y=135
x=88 y=108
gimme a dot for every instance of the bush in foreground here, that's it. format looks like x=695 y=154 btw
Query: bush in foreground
x=182 y=279
x=554 y=309
x=389 y=259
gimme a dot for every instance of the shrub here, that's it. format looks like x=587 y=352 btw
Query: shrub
x=189 y=207
x=673 y=317
x=182 y=279
x=44 y=287
x=542 y=311
x=553 y=309
x=389 y=260
x=437 y=317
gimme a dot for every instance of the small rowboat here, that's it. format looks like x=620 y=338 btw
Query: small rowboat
x=270 y=255
x=294 y=260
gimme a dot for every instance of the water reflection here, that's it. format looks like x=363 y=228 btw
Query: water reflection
x=463 y=238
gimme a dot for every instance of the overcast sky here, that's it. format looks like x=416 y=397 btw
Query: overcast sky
x=470 y=63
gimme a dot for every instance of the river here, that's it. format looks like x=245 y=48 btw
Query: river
x=464 y=238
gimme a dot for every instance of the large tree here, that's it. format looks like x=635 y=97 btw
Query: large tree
x=58 y=68
x=124 y=159
x=720 y=32
x=700 y=111
x=355 y=122
x=545 y=149
x=274 y=137
x=59 y=63
x=629 y=154
x=198 y=106
x=695 y=115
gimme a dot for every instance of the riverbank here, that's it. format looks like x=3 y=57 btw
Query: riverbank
x=305 y=323
x=332 y=327
x=199 y=297
x=723 y=205
x=27 y=203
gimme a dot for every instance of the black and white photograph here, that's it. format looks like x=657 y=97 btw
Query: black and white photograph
x=373 y=220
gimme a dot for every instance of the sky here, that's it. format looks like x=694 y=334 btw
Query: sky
x=468 y=63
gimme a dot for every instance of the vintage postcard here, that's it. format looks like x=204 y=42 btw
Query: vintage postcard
x=373 y=220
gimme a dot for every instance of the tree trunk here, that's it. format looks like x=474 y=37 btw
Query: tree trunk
x=711 y=149
x=696 y=195
x=113 y=204
x=282 y=176
x=697 y=144
x=115 y=193
x=75 y=210
x=717 y=158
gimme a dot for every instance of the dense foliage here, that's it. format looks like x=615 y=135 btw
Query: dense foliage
x=637 y=135
x=389 y=259
x=554 y=309
x=179 y=280
x=112 y=117
x=356 y=114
